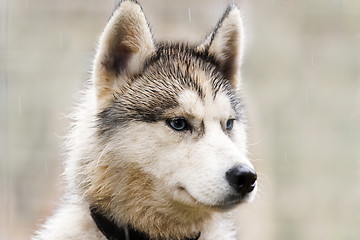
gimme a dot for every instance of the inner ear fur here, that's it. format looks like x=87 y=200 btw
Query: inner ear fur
x=124 y=46
x=225 y=43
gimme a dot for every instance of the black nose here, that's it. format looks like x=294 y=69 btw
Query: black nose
x=242 y=179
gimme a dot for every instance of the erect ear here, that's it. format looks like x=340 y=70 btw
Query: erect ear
x=225 y=43
x=124 y=46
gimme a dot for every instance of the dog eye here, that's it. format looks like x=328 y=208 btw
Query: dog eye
x=179 y=124
x=229 y=124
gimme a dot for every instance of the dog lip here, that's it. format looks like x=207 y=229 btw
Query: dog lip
x=230 y=202
x=227 y=205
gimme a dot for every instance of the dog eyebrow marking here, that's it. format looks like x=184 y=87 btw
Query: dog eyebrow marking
x=171 y=70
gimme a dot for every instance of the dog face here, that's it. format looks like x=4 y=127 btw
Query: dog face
x=169 y=118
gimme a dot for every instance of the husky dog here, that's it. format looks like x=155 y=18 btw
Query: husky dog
x=158 y=146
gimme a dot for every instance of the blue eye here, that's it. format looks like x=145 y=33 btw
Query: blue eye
x=229 y=124
x=179 y=124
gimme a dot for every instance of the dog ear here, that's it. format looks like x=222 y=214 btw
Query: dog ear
x=124 y=46
x=225 y=43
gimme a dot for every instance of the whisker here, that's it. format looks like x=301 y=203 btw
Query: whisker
x=257 y=160
x=257 y=142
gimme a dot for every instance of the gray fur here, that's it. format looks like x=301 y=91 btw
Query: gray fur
x=124 y=158
x=150 y=94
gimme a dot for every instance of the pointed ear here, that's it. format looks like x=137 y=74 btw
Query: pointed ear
x=124 y=46
x=225 y=43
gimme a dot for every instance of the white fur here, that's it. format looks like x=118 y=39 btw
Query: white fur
x=232 y=27
x=185 y=172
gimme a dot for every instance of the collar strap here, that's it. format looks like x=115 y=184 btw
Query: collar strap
x=114 y=232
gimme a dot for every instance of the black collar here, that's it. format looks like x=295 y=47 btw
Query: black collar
x=113 y=232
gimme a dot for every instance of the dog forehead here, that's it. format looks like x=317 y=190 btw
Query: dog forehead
x=209 y=106
x=195 y=83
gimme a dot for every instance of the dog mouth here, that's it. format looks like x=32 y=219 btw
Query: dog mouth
x=228 y=203
x=231 y=202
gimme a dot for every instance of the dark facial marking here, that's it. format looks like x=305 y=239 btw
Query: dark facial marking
x=150 y=94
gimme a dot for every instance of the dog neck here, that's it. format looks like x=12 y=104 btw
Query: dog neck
x=114 y=232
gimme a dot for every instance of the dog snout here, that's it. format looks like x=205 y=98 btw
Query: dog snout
x=242 y=179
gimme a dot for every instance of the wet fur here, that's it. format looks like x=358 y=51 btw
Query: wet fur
x=125 y=159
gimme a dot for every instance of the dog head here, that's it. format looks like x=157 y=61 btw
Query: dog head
x=170 y=124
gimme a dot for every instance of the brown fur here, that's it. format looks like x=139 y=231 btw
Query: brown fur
x=125 y=159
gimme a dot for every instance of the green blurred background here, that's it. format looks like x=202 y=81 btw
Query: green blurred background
x=301 y=80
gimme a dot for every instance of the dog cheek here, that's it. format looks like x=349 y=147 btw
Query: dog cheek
x=151 y=147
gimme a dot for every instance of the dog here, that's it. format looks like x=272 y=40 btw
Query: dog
x=157 y=149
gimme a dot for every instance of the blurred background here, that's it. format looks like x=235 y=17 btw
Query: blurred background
x=301 y=79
